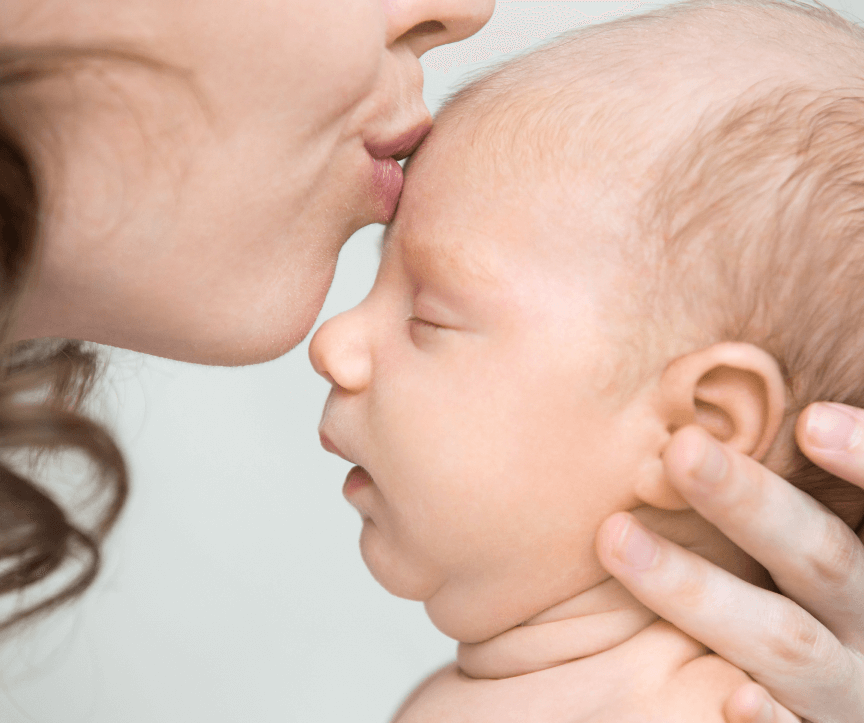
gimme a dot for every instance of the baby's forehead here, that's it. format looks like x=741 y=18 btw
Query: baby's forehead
x=467 y=207
x=584 y=122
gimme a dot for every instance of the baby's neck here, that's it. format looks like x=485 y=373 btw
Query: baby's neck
x=602 y=617
x=589 y=623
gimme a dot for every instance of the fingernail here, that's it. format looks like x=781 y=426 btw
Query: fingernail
x=831 y=427
x=713 y=466
x=635 y=547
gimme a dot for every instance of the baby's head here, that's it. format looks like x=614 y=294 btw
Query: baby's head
x=651 y=223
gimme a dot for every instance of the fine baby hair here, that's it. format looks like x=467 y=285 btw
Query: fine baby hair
x=750 y=224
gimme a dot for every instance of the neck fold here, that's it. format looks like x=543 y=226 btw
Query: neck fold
x=590 y=623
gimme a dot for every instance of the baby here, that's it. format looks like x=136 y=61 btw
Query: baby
x=648 y=224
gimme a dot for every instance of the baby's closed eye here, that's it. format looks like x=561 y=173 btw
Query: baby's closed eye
x=424 y=322
x=423 y=330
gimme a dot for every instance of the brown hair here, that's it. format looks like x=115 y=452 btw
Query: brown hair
x=49 y=543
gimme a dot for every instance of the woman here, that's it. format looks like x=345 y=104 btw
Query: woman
x=195 y=168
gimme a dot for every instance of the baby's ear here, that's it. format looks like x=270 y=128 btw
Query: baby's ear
x=735 y=391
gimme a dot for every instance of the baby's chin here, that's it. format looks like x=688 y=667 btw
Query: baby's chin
x=393 y=570
x=462 y=609
x=467 y=616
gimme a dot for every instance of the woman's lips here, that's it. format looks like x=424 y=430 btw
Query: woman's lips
x=386 y=187
x=357 y=479
x=387 y=173
x=401 y=146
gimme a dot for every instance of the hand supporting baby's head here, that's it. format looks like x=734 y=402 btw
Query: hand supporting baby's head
x=626 y=232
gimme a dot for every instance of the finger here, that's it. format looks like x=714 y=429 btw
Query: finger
x=765 y=634
x=751 y=703
x=832 y=436
x=812 y=555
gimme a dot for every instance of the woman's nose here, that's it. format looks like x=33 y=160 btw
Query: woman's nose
x=339 y=352
x=425 y=24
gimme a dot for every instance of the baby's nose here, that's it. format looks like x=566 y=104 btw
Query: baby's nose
x=340 y=354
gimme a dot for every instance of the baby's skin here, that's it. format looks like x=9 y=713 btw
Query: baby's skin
x=484 y=387
x=659 y=675
x=487 y=456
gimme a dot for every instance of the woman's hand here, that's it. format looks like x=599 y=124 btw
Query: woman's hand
x=806 y=649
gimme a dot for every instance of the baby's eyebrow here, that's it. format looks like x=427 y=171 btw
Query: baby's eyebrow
x=448 y=261
x=451 y=262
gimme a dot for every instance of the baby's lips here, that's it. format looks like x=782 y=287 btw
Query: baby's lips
x=327 y=444
x=357 y=479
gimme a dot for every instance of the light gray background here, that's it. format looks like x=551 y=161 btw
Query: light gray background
x=233 y=589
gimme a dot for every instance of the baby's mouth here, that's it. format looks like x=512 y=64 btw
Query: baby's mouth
x=357 y=479
x=328 y=445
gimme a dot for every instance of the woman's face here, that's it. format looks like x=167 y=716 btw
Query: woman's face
x=196 y=210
